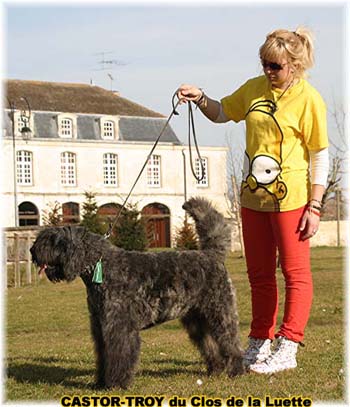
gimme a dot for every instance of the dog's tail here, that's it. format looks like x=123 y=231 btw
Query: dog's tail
x=213 y=232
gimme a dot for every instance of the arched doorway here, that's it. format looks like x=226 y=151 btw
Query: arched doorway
x=28 y=214
x=157 y=217
x=70 y=212
x=108 y=212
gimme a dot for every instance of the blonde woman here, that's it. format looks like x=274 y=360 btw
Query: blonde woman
x=284 y=178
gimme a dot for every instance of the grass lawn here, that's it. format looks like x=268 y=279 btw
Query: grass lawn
x=49 y=351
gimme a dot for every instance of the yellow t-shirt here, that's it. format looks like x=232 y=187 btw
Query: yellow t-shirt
x=276 y=163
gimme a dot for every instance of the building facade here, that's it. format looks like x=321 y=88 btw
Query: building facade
x=86 y=139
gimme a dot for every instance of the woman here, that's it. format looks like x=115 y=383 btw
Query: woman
x=284 y=177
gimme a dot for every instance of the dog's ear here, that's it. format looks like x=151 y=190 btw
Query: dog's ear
x=73 y=255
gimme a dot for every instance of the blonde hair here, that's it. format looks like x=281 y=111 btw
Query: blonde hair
x=296 y=46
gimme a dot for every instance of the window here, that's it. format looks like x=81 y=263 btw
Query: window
x=19 y=123
x=70 y=212
x=204 y=182
x=68 y=177
x=28 y=214
x=153 y=171
x=108 y=130
x=67 y=125
x=110 y=169
x=108 y=212
x=66 y=128
x=24 y=168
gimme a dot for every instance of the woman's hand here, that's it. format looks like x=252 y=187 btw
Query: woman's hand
x=309 y=225
x=187 y=93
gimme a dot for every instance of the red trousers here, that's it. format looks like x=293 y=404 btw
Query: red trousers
x=264 y=233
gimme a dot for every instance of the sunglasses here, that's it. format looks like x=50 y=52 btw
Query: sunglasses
x=272 y=65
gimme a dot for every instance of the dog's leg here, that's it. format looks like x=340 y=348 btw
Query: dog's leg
x=198 y=332
x=97 y=335
x=223 y=327
x=122 y=348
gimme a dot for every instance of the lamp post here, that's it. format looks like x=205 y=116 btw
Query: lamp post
x=26 y=132
x=185 y=180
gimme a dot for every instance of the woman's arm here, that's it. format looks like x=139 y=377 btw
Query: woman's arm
x=319 y=172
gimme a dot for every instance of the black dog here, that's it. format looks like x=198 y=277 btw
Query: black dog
x=143 y=289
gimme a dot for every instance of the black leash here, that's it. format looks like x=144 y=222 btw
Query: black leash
x=190 y=126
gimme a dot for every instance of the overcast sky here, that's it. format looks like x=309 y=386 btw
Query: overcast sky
x=160 y=47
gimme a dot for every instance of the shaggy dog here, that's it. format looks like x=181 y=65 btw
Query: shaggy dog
x=143 y=289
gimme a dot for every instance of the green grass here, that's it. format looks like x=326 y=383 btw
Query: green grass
x=50 y=352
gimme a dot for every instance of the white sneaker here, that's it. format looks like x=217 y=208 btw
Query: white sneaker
x=282 y=358
x=258 y=350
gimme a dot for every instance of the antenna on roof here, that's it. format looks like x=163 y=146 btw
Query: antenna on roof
x=111 y=78
x=108 y=64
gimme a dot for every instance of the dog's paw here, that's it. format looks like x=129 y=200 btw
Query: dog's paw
x=98 y=386
x=238 y=368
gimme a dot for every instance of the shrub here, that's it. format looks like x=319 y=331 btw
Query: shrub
x=186 y=237
x=53 y=215
x=90 y=218
x=130 y=231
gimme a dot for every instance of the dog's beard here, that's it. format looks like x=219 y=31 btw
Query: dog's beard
x=54 y=273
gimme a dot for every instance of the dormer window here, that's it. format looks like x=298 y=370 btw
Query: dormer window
x=66 y=128
x=19 y=123
x=108 y=128
x=67 y=125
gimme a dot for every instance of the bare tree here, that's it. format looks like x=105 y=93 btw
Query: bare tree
x=338 y=163
x=53 y=215
x=235 y=166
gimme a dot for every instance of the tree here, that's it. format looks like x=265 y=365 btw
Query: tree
x=130 y=230
x=235 y=165
x=90 y=218
x=186 y=237
x=53 y=215
x=334 y=202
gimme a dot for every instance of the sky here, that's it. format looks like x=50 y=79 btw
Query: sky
x=159 y=46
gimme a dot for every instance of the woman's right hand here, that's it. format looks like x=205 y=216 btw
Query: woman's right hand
x=187 y=93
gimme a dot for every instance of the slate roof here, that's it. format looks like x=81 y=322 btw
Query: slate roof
x=89 y=103
x=140 y=129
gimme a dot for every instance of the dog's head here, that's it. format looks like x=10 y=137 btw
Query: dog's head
x=59 y=252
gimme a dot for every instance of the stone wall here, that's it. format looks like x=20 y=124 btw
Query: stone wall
x=327 y=234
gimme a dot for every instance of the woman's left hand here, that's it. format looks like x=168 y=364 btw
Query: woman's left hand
x=309 y=225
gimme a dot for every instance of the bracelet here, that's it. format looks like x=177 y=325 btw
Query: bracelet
x=202 y=101
x=315 y=212
x=316 y=200
x=200 y=97
x=315 y=207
